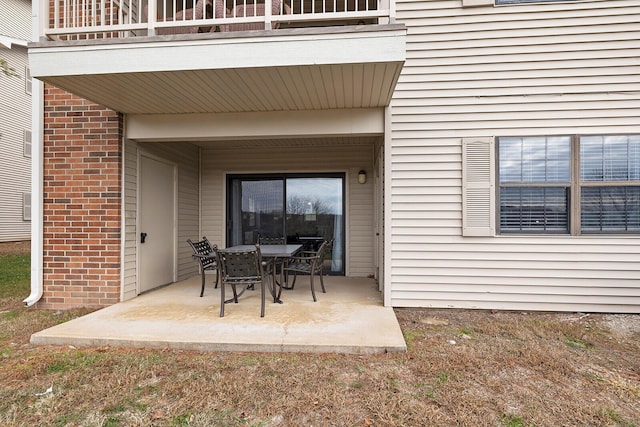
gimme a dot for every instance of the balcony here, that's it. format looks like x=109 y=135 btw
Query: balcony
x=175 y=56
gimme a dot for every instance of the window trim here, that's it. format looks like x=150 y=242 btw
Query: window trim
x=574 y=206
x=521 y=2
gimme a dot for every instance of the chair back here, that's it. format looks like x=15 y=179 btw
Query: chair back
x=240 y=266
x=247 y=10
x=321 y=251
x=271 y=240
x=205 y=250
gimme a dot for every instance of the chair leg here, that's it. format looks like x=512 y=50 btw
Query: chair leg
x=262 y=297
x=202 y=289
x=313 y=291
x=324 y=291
x=222 y=301
x=217 y=278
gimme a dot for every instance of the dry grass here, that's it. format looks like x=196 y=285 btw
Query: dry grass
x=469 y=368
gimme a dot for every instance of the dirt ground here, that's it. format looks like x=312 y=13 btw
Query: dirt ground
x=462 y=368
x=22 y=247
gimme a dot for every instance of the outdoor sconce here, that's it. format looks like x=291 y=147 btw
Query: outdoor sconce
x=362 y=177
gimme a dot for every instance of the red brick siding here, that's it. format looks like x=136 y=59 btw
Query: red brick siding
x=82 y=200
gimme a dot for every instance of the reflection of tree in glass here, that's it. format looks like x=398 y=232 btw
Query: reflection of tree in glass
x=299 y=206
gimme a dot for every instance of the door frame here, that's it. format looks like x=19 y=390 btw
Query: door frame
x=228 y=176
x=174 y=266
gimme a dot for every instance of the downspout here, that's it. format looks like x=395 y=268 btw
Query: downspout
x=37 y=172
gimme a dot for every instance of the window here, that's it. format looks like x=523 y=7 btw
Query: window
x=304 y=208
x=27 y=80
x=562 y=184
x=26 y=143
x=499 y=2
x=26 y=206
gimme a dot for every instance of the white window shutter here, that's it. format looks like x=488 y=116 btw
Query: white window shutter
x=478 y=187
x=27 y=80
x=26 y=143
x=26 y=206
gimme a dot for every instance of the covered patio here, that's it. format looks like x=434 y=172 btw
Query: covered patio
x=349 y=318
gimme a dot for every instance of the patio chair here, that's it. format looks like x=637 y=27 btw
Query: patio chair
x=201 y=10
x=308 y=262
x=271 y=240
x=250 y=9
x=205 y=253
x=242 y=268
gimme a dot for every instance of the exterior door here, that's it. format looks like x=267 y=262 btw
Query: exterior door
x=304 y=208
x=156 y=225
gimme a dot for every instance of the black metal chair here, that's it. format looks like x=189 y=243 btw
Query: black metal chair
x=271 y=240
x=242 y=268
x=205 y=253
x=307 y=262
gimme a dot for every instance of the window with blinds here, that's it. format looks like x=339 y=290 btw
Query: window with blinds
x=500 y=2
x=571 y=185
x=610 y=183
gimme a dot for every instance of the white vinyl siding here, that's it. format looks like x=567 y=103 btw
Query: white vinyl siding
x=15 y=118
x=186 y=156
x=217 y=162
x=481 y=72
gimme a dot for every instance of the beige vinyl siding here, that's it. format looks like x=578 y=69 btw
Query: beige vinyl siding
x=15 y=19
x=130 y=166
x=538 y=69
x=186 y=156
x=217 y=162
x=15 y=118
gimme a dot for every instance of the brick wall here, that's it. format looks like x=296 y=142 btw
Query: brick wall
x=82 y=199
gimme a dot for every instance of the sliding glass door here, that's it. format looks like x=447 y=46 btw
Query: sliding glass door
x=306 y=209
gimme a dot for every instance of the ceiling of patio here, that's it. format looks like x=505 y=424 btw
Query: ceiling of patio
x=295 y=70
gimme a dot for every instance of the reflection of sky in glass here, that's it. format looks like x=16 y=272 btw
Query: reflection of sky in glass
x=535 y=159
x=326 y=190
x=610 y=158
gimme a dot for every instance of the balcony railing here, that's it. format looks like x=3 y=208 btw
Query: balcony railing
x=90 y=19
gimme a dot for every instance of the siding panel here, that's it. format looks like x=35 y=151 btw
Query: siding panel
x=15 y=118
x=556 y=68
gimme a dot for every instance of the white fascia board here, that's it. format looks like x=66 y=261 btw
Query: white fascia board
x=219 y=53
x=229 y=126
x=7 y=41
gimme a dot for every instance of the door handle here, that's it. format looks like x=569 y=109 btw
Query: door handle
x=143 y=237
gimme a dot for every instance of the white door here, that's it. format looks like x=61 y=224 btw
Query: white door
x=156 y=225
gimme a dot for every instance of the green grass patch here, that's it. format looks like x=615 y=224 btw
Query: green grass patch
x=512 y=420
x=576 y=343
x=615 y=417
x=410 y=336
x=15 y=273
x=75 y=360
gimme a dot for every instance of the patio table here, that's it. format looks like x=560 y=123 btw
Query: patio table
x=275 y=253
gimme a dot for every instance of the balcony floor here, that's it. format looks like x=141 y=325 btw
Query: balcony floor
x=349 y=318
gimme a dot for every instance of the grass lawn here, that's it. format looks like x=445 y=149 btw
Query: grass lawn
x=462 y=368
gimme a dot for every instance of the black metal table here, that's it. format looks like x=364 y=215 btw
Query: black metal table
x=274 y=253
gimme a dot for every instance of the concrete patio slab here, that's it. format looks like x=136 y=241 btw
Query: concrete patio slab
x=349 y=318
